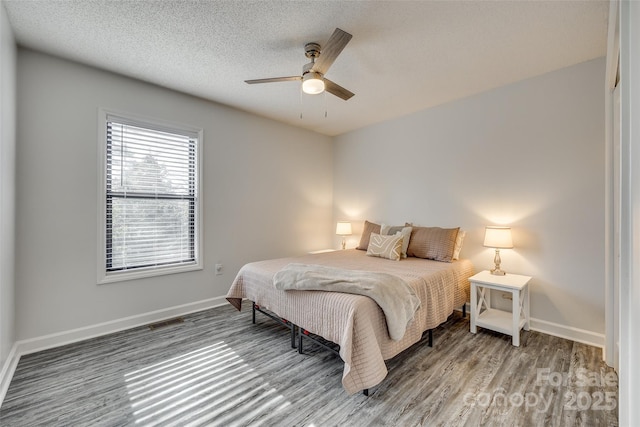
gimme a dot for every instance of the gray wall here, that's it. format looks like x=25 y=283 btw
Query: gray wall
x=529 y=155
x=7 y=184
x=267 y=190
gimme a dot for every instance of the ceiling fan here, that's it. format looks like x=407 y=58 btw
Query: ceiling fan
x=313 y=80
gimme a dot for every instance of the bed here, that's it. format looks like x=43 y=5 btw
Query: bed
x=355 y=322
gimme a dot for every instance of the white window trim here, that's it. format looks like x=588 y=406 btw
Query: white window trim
x=118 y=276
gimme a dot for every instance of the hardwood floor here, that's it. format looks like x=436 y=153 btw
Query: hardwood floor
x=217 y=368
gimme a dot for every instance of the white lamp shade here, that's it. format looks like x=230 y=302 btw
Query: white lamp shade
x=312 y=83
x=343 y=228
x=498 y=237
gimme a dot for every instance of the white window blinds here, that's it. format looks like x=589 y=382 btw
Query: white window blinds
x=151 y=196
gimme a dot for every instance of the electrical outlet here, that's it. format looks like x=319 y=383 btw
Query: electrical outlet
x=506 y=295
x=218 y=269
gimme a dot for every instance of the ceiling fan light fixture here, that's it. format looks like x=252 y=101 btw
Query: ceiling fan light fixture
x=312 y=83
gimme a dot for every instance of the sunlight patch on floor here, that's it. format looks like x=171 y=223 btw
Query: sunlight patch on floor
x=211 y=385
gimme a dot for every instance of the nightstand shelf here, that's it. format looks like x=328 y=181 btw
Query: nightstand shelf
x=485 y=316
x=497 y=320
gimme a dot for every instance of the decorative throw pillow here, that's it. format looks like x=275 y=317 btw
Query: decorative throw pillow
x=458 y=246
x=389 y=247
x=387 y=230
x=433 y=243
x=369 y=227
x=390 y=230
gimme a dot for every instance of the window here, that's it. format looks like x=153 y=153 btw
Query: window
x=150 y=198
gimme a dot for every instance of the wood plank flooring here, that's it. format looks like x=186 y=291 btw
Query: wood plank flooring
x=217 y=368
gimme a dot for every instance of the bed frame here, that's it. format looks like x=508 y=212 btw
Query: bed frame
x=301 y=333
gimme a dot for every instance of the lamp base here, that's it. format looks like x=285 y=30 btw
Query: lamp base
x=344 y=243
x=497 y=271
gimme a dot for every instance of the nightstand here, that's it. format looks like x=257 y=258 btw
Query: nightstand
x=483 y=315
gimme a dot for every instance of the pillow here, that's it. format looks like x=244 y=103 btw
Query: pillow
x=433 y=243
x=458 y=246
x=387 y=230
x=369 y=227
x=389 y=247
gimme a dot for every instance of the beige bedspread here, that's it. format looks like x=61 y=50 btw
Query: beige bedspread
x=395 y=297
x=356 y=322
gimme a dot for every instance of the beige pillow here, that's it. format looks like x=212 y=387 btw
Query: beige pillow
x=433 y=243
x=389 y=247
x=369 y=227
x=387 y=230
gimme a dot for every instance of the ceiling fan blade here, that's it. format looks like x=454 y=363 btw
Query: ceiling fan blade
x=337 y=90
x=273 y=79
x=331 y=50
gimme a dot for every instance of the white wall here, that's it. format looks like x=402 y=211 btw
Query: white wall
x=267 y=191
x=7 y=184
x=529 y=155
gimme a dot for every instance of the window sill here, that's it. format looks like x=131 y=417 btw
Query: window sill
x=121 y=276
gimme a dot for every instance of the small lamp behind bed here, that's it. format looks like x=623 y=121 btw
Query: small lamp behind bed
x=343 y=229
x=498 y=238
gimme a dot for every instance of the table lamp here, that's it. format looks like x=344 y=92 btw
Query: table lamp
x=498 y=238
x=343 y=229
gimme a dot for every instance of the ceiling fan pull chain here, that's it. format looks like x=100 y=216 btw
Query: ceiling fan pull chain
x=325 y=104
x=300 y=102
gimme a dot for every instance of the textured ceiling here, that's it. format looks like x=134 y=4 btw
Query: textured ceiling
x=405 y=56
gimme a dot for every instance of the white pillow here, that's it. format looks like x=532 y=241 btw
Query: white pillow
x=458 y=244
x=389 y=247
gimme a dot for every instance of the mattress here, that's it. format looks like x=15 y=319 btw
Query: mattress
x=356 y=322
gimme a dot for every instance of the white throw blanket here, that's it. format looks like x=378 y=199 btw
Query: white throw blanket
x=395 y=297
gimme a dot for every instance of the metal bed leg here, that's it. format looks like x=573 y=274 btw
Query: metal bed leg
x=366 y=392
x=253 y=308
x=300 y=340
x=464 y=310
x=293 y=335
x=430 y=337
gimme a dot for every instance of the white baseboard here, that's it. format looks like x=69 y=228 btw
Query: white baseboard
x=33 y=345
x=562 y=331
x=9 y=367
x=58 y=339
x=568 y=332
